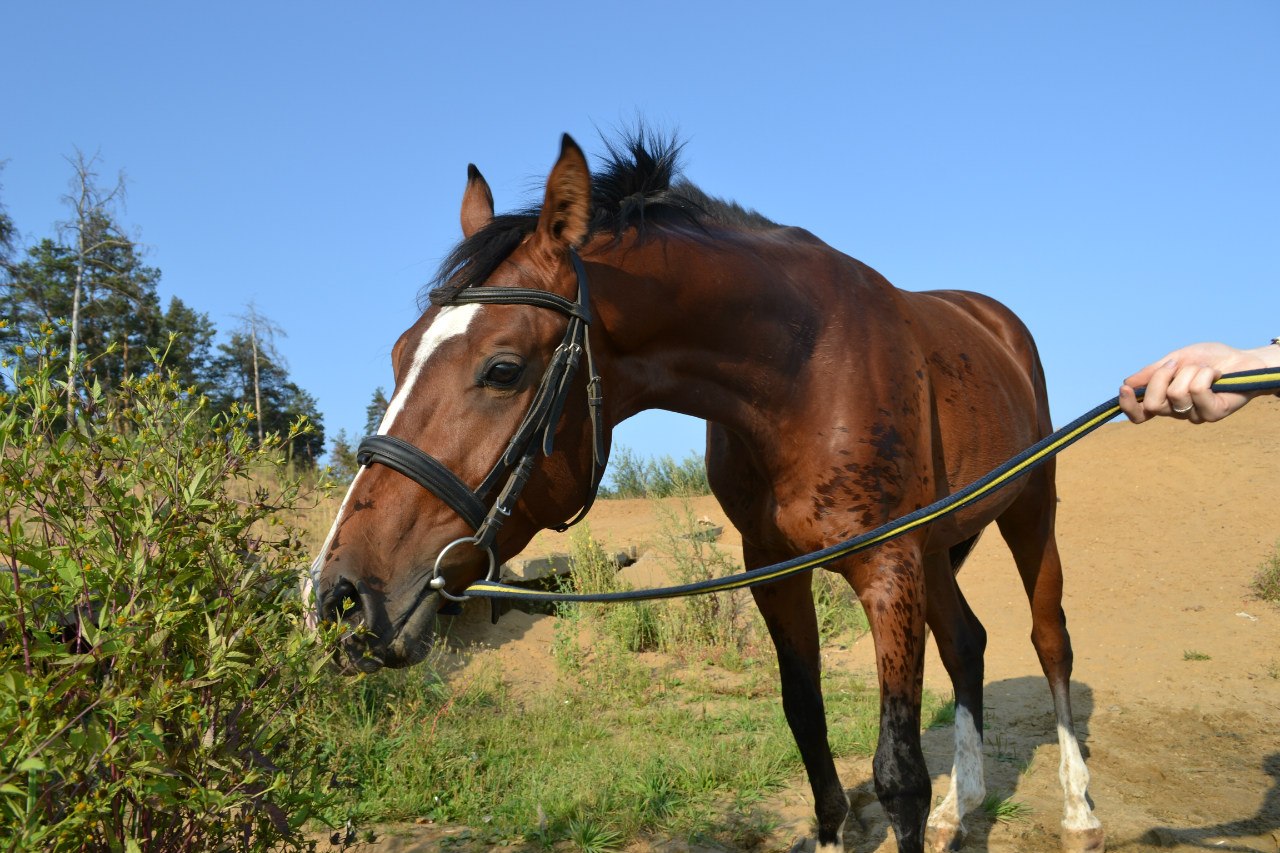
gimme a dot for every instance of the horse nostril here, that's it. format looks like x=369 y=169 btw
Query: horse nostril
x=342 y=603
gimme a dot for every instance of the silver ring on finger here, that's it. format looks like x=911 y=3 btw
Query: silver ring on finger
x=1189 y=407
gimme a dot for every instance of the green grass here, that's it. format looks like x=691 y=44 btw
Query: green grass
x=943 y=715
x=594 y=761
x=592 y=837
x=1001 y=749
x=1192 y=654
x=1000 y=808
x=626 y=759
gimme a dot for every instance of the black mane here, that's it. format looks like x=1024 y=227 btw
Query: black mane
x=638 y=185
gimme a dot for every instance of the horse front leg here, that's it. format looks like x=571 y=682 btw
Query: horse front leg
x=891 y=586
x=787 y=607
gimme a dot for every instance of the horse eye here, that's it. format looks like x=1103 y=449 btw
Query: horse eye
x=503 y=373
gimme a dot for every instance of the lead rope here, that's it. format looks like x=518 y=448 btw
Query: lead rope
x=1266 y=379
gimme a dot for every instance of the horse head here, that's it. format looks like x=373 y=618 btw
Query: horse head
x=488 y=437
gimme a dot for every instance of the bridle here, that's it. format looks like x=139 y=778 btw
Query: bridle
x=517 y=461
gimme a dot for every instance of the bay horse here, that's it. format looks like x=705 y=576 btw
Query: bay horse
x=834 y=402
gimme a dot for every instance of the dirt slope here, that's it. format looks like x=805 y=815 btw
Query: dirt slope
x=1177 y=668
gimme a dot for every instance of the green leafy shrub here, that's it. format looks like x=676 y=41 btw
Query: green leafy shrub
x=723 y=621
x=155 y=677
x=723 y=625
x=633 y=625
x=664 y=477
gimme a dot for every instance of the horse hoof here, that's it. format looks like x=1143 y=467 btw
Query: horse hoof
x=1084 y=840
x=942 y=839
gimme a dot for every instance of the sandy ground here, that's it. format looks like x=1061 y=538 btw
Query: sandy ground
x=1177 y=667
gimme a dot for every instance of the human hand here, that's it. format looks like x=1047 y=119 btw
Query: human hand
x=1178 y=385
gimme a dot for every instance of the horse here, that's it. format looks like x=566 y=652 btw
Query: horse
x=833 y=401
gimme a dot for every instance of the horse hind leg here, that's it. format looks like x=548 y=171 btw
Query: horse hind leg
x=1028 y=528
x=961 y=643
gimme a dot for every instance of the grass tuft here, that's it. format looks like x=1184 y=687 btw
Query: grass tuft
x=592 y=837
x=1003 y=809
x=1266 y=581
x=943 y=715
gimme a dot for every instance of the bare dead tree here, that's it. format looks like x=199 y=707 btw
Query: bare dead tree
x=95 y=228
x=262 y=332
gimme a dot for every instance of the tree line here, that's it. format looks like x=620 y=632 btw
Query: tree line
x=89 y=282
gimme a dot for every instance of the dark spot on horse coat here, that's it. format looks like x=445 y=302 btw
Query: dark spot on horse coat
x=873 y=488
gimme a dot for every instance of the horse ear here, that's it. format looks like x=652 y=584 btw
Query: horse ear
x=566 y=210
x=477 y=202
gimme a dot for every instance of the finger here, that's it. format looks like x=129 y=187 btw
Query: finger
x=1209 y=405
x=1178 y=392
x=1143 y=376
x=1154 y=401
x=1200 y=391
x=1130 y=405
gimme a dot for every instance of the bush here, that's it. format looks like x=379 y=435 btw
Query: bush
x=664 y=477
x=725 y=621
x=617 y=629
x=156 y=679
x=724 y=625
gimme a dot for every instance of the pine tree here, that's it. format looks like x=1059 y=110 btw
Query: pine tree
x=117 y=309
x=342 y=457
x=245 y=373
x=375 y=411
x=187 y=344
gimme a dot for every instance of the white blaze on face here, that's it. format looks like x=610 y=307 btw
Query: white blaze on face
x=452 y=321
x=311 y=578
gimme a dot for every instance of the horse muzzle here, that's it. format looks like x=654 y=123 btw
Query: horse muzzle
x=372 y=639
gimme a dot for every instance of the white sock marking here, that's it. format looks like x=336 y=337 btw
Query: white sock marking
x=968 y=786
x=1076 y=814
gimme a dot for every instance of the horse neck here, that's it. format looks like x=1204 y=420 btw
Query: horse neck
x=701 y=326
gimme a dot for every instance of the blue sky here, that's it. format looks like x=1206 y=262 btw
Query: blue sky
x=1111 y=171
